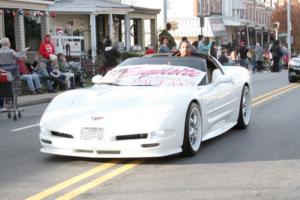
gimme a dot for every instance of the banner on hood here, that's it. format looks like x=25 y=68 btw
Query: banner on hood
x=155 y=75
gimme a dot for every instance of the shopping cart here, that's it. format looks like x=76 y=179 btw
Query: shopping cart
x=10 y=91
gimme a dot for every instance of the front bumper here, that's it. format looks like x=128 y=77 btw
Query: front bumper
x=109 y=148
x=294 y=72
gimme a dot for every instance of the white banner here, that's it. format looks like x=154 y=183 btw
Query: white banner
x=155 y=75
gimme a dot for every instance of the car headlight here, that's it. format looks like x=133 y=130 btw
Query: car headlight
x=294 y=63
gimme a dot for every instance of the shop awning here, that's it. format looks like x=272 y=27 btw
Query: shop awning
x=217 y=27
x=233 y=21
x=93 y=6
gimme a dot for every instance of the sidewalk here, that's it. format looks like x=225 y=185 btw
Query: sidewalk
x=28 y=100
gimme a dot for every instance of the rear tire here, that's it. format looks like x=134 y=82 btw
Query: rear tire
x=192 y=131
x=245 y=109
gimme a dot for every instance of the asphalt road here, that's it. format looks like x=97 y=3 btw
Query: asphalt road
x=261 y=162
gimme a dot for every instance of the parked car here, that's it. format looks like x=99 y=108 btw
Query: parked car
x=294 y=69
x=149 y=107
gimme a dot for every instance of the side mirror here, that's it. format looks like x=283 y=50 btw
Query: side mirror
x=97 y=79
x=218 y=77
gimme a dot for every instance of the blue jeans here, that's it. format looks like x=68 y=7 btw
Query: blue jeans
x=254 y=65
x=33 y=81
x=43 y=74
x=243 y=62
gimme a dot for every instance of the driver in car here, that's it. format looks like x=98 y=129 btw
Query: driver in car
x=185 y=50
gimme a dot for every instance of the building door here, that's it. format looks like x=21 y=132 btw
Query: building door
x=101 y=30
x=9 y=27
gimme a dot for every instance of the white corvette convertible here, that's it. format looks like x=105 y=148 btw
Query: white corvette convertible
x=149 y=107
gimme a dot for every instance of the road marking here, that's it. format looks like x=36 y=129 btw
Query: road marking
x=273 y=92
x=260 y=101
x=73 y=180
x=98 y=181
x=25 y=127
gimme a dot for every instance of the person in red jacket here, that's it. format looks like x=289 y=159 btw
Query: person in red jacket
x=47 y=48
x=149 y=50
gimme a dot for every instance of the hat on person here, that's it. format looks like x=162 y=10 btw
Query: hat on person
x=53 y=57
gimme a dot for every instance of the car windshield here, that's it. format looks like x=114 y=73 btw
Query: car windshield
x=157 y=71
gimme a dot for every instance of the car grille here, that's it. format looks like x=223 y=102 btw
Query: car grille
x=64 y=135
x=98 y=152
x=132 y=137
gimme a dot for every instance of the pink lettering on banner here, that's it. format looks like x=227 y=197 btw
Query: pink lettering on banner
x=141 y=71
x=156 y=75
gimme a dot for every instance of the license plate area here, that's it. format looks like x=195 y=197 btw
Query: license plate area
x=91 y=134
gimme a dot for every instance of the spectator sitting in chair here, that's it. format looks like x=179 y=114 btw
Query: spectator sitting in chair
x=62 y=62
x=149 y=50
x=39 y=66
x=56 y=74
x=32 y=79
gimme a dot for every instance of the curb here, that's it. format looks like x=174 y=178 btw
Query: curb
x=36 y=102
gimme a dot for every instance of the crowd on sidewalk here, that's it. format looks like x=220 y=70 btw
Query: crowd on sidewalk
x=273 y=56
x=47 y=69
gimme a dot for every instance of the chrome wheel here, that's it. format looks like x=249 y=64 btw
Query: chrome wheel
x=195 y=129
x=192 y=130
x=245 y=109
x=246 y=106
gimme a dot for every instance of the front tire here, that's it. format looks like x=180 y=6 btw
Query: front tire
x=245 y=109
x=192 y=131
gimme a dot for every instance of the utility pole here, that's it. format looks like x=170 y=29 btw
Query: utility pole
x=289 y=28
x=165 y=7
x=248 y=40
x=200 y=14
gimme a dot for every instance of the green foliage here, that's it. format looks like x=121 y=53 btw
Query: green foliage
x=165 y=33
x=131 y=54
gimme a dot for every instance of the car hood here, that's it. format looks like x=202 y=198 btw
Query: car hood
x=111 y=105
x=296 y=61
